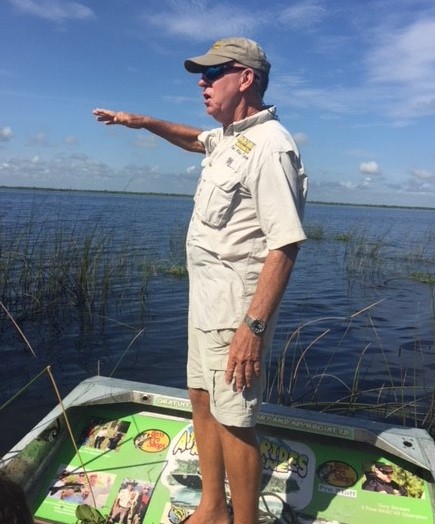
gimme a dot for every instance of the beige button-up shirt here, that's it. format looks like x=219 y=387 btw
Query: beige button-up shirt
x=249 y=200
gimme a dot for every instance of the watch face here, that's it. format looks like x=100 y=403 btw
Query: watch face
x=258 y=326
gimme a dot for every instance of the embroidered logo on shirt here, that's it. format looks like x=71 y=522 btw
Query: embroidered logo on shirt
x=243 y=145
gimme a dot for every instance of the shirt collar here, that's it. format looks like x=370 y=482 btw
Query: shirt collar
x=268 y=113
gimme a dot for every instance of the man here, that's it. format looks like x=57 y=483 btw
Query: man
x=100 y=437
x=380 y=480
x=126 y=499
x=241 y=247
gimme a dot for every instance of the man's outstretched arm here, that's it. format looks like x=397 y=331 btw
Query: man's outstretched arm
x=178 y=134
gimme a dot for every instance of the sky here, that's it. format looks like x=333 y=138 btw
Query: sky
x=353 y=81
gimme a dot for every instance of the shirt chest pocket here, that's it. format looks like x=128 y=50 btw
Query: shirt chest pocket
x=218 y=196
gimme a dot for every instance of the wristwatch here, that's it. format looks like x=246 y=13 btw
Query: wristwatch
x=256 y=325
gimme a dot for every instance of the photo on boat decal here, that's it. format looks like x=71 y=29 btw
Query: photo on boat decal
x=79 y=487
x=386 y=478
x=131 y=502
x=154 y=476
x=105 y=435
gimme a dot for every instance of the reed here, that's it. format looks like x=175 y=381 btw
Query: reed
x=315 y=232
x=367 y=257
x=405 y=394
x=56 y=276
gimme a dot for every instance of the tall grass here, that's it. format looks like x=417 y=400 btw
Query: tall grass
x=53 y=273
x=58 y=274
x=406 y=392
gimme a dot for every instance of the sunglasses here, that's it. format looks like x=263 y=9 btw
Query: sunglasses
x=213 y=73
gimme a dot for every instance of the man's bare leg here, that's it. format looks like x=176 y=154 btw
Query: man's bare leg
x=212 y=508
x=243 y=465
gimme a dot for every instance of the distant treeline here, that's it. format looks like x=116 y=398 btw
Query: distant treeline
x=182 y=195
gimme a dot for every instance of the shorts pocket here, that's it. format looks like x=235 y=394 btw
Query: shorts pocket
x=217 y=356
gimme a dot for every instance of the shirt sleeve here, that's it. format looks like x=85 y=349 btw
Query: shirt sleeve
x=210 y=139
x=279 y=190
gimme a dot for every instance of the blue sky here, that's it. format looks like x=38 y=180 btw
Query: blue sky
x=353 y=80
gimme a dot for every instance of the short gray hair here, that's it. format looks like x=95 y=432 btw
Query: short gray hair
x=261 y=82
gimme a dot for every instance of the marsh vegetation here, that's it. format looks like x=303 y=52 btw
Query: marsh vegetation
x=355 y=334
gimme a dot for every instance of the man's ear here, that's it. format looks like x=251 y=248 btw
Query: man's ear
x=247 y=79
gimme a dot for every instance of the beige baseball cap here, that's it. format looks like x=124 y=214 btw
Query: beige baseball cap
x=242 y=50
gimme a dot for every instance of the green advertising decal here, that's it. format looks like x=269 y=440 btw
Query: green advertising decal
x=144 y=468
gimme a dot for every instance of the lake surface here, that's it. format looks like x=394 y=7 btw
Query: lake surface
x=356 y=321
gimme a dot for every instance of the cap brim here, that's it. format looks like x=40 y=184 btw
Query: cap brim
x=197 y=64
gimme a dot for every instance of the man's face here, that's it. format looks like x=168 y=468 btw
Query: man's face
x=384 y=475
x=222 y=95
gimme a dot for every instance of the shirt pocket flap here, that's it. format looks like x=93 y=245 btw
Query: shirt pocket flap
x=218 y=196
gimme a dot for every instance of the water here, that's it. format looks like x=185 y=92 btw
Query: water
x=329 y=324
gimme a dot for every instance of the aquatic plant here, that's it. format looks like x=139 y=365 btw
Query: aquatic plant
x=406 y=396
x=315 y=232
x=83 y=279
x=58 y=273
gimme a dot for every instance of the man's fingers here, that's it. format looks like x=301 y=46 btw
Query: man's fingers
x=240 y=381
x=103 y=115
x=248 y=375
x=229 y=373
x=252 y=369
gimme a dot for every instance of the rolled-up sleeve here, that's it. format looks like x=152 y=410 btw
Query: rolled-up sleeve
x=279 y=190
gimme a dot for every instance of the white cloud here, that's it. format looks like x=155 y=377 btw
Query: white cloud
x=423 y=175
x=394 y=75
x=334 y=99
x=405 y=55
x=201 y=20
x=60 y=171
x=40 y=139
x=348 y=184
x=54 y=10
x=370 y=167
x=70 y=140
x=5 y=134
x=79 y=171
x=146 y=141
x=303 y=14
x=403 y=59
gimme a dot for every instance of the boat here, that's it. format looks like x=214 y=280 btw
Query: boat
x=110 y=439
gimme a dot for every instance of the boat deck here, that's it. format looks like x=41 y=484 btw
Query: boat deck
x=134 y=442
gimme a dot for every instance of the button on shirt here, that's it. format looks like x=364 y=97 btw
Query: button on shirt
x=250 y=199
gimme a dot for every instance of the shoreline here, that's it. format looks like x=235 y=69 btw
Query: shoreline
x=186 y=195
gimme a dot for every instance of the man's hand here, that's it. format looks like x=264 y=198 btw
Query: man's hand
x=244 y=361
x=110 y=118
